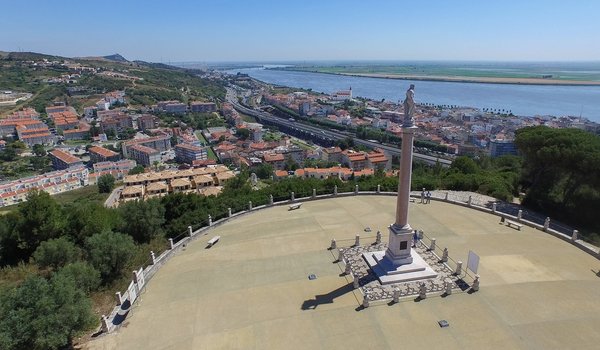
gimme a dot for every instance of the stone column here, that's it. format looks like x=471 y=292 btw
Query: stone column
x=444 y=255
x=292 y=196
x=153 y=257
x=171 y=243
x=190 y=231
x=365 y=303
x=432 y=245
x=458 y=270
x=335 y=190
x=105 y=324
x=470 y=201
x=575 y=235
x=446 y=199
x=519 y=215
x=547 y=224
x=333 y=244
x=494 y=207
x=396 y=295
x=249 y=205
x=355 y=189
x=475 y=286
x=355 y=282
x=448 y=287
x=119 y=298
x=314 y=195
x=357 y=240
x=378 y=188
x=270 y=199
x=404 y=178
x=378 y=238
x=209 y=220
x=347 y=269
x=229 y=212
x=422 y=291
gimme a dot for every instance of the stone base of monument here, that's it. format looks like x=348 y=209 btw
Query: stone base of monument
x=387 y=272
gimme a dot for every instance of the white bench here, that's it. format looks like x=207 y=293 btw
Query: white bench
x=295 y=206
x=515 y=224
x=213 y=240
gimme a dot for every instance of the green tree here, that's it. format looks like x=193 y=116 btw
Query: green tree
x=84 y=220
x=142 y=220
x=41 y=314
x=561 y=173
x=39 y=150
x=109 y=252
x=85 y=276
x=138 y=169
x=242 y=133
x=465 y=165
x=106 y=183
x=40 y=218
x=56 y=253
x=8 y=154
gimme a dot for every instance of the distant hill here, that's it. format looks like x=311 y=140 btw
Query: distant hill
x=115 y=57
x=31 y=56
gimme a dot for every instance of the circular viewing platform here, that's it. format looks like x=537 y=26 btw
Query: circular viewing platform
x=251 y=290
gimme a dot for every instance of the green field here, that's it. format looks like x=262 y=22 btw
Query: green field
x=582 y=72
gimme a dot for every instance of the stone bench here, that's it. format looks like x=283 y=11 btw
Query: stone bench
x=515 y=224
x=213 y=240
x=295 y=206
x=412 y=200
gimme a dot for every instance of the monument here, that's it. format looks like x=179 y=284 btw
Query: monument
x=399 y=263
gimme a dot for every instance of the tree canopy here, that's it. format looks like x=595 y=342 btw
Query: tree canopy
x=561 y=173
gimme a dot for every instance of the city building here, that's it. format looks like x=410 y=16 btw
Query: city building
x=144 y=155
x=64 y=160
x=160 y=143
x=356 y=160
x=65 y=120
x=82 y=132
x=342 y=95
x=35 y=136
x=101 y=154
x=204 y=181
x=117 y=169
x=187 y=153
x=276 y=160
x=502 y=147
x=146 y=122
x=203 y=107
x=54 y=182
x=174 y=106
x=332 y=154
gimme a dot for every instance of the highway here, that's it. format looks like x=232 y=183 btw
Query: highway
x=318 y=132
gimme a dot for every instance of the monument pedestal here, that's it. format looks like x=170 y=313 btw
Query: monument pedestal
x=399 y=263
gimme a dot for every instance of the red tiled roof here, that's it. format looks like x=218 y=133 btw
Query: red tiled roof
x=64 y=156
x=273 y=157
x=104 y=152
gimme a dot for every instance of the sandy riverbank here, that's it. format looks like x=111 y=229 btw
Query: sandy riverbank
x=485 y=80
x=464 y=79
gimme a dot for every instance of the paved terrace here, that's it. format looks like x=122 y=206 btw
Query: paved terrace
x=251 y=291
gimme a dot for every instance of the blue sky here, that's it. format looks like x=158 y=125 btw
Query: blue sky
x=266 y=30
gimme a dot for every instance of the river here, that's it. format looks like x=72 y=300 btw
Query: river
x=523 y=100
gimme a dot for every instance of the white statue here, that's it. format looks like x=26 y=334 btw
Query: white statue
x=409 y=107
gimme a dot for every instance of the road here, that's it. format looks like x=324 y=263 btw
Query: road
x=325 y=133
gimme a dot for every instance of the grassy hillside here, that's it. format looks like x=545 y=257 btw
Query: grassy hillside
x=144 y=83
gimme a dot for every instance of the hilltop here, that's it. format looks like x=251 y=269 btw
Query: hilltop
x=52 y=78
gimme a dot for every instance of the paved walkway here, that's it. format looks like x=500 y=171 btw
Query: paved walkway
x=248 y=291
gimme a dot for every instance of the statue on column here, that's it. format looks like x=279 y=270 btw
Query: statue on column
x=409 y=107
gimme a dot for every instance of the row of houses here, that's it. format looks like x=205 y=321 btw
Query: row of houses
x=54 y=182
x=205 y=181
